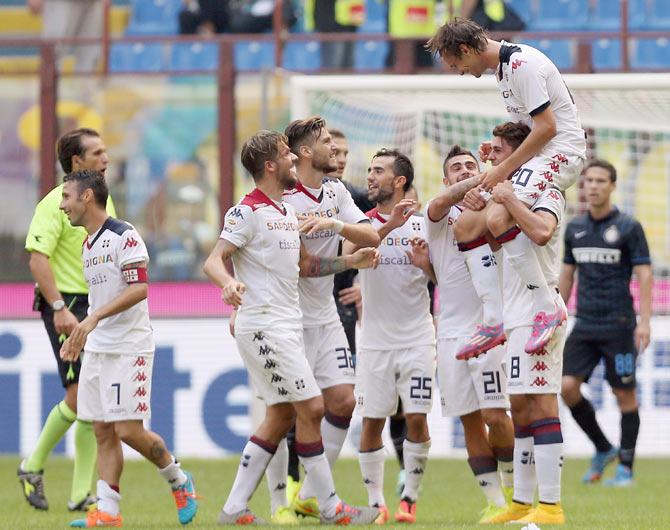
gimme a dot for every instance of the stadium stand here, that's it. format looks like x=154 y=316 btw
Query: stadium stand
x=136 y=57
x=606 y=54
x=651 y=53
x=560 y=51
x=659 y=11
x=154 y=17
x=194 y=56
x=251 y=56
x=302 y=56
x=560 y=15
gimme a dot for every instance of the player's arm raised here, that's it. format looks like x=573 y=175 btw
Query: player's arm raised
x=315 y=266
x=543 y=130
x=451 y=195
x=215 y=269
x=135 y=275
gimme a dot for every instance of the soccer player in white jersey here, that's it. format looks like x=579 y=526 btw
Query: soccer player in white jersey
x=328 y=212
x=533 y=380
x=115 y=379
x=472 y=389
x=552 y=155
x=261 y=234
x=397 y=341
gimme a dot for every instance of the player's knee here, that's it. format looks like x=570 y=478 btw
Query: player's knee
x=417 y=427
x=626 y=398
x=570 y=390
x=495 y=419
x=498 y=220
x=342 y=406
x=105 y=433
x=313 y=412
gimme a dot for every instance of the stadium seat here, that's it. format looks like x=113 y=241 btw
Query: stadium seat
x=560 y=15
x=651 y=53
x=251 y=56
x=194 y=56
x=154 y=17
x=370 y=55
x=136 y=57
x=523 y=8
x=558 y=50
x=302 y=55
x=606 y=54
x=606 y=15
x=659 y=15
x=638 y=14
x=375 y=17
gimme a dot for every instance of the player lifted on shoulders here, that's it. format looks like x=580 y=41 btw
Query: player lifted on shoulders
x=397 y=357
x=261 y=234
x=473 y=390
x=328 y=212
x=115 y=378
x=552 y=156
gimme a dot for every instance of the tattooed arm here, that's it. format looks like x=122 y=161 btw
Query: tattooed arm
x=316 y=266
x=453 y=194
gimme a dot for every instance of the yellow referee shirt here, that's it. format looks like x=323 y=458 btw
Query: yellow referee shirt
x=51 y=234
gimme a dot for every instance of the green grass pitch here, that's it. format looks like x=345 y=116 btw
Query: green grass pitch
x=450 y=497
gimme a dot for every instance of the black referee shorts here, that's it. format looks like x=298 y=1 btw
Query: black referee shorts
x=584 y=349
x=79 y=309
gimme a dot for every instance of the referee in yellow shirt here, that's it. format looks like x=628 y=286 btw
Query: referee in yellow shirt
x=61 y=296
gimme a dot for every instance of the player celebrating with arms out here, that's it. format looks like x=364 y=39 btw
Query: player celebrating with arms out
x=262 y=236
x=115 y=379
x=552 y=155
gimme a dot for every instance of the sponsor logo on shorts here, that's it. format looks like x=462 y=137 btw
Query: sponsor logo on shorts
x=299 y=384
x=141 y=407
x=141 y=376
x=264 y=350
x=539 y=381
x=554 y=167
x=140 y=361
x=140 y=392
x=270 y=364
x=547 y=176
x=541 y=185
x=543 y=351
x=276 y=378
x=540 y=366
x=258 y=335
x=561 y=158
x=282 y=391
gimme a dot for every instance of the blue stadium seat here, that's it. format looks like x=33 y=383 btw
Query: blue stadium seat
x=370 y=55
x=659 y=11
x=523 y=8
x=606 y=54
x=154 y=17
x=302 y=55
x=560 y=15
x=136 y=57
x=638 y=14
x=251 y=56
x=606 y=15
x=375 y=17
x=558 y=50
x=194 y=56
x=651 y=53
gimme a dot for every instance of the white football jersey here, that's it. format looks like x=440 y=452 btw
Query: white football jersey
x=266 y=262
x=460 y=308
x=331 y=200
x=529 y=83
x=517 y=301
x=104 y=254
x=396 y=304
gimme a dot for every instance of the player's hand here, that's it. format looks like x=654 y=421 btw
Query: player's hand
x=64 y=321
x=473 y=199
x=401 y=212
x=491 y=177
x=642 y=335
x=502 y=191
x=74 y=344
x=232 y=292
x=484 y=151
x=365 y=258
x=419 y=255
x=310 y=224
x=350 y=295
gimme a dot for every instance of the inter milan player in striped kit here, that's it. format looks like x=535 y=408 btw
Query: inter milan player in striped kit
x=604 y=246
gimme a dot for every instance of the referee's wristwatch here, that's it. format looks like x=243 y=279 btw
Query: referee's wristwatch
x=58 y=305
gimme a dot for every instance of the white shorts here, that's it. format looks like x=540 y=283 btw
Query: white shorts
x=328 y=353
x=277 y=365
x=537 y=373
x=384 y=375
x=544 y=171
x=475 y=384
x=114 y=387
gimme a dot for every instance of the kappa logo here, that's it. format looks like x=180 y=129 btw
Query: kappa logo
x=543 y=351
x=141 y=407
x=530 y=287
x=416 y=471
x=276 y=378
x=539 y=381
x=561 y=158
x=299 y=384
x=540 y=366
x=141 y=361
x=534 y=195
x=130 y=243
x=516 y=63
x=141 y=376
x=281 y=486
x=547 y=175
x=236 y=212
x=270 y=364
x=489 y=260
x=541 y=185
x=554 y=167
x=258 y=335
x=483 y=483
x=264 y=350
x=141 y=392
x=553 y=195
x=282 y=391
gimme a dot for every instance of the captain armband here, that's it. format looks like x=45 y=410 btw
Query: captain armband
x=135 y=275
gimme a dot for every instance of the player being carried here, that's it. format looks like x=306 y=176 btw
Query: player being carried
x=397 y=357
x=552 y=156
x=261 y=234
x=115 y=378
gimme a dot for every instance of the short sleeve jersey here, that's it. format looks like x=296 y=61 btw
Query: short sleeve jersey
x=460 y=308
x=396 y=305
x=331 y=200
x=266 y=262
x=529 y=83
x=51 y=234
x=517 y=300
x=605 y=252
x=104 y=254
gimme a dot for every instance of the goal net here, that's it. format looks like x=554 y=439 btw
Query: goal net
x=626 y=116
